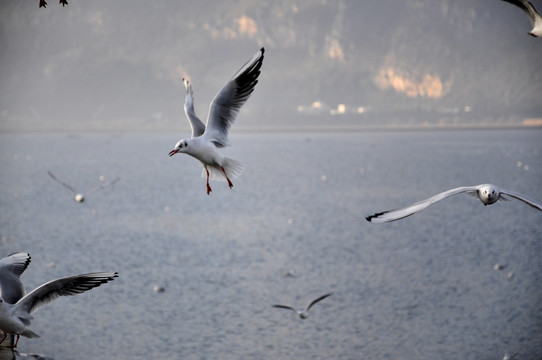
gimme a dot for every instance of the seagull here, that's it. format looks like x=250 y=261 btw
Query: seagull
x=206 y=139
x=78 y=197
x=15 y=318
x=487 y=193
x=533 y=15
x=303 y=314
x=11 y=268
x=44 y=4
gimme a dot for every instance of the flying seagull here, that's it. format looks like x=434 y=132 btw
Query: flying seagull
x=207 y=139
x=44 y=4
x=533 y=15
x=11 y=268
x=78 y=197
x=15 y=318
x=487 y=193
x=303 y=314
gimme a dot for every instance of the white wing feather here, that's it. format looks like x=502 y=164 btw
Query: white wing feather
x=229 y=100
x=397 y=214
x=523 y=198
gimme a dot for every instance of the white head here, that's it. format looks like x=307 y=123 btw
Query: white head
x=180 y=147
x=79 y=198
x=488 y=194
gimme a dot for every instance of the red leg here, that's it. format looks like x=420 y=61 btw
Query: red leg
x=16 y=341
x=229 y=182
x=208 y=186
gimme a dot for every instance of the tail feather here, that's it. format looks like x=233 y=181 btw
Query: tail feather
x=29 y=334
x=233 y=169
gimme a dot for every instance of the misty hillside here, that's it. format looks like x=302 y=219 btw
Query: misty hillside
x=102 y=65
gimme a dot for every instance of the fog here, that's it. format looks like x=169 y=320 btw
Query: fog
x=117 y=65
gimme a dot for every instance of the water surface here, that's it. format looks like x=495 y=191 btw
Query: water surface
x=420 y=288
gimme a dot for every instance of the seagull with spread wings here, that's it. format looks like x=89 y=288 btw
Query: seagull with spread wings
x=207 y=139
x=15 y=318
x=77 y=196
x=487 y=193
x=303 y=314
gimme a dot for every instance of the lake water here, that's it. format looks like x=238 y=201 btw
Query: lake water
x=423 y=287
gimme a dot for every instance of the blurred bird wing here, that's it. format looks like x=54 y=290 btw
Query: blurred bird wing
x=317 y=300
x=285 y=307
x=103 y=186
x=62 y=183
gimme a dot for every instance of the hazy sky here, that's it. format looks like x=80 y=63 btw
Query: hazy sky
x=117 y=65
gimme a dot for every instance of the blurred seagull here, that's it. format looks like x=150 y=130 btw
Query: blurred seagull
x=487 y=193
x=78 y=197
x=533 y=15
x=44 y=4
x=303 y=314
x=11 y=268
x=15 y=318
x=206 y=139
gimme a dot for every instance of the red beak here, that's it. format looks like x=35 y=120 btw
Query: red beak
x=172 y=152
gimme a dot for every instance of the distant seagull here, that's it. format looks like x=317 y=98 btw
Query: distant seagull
x=533 y=15
x=78 y=197
x=44 y=4
x=206 y=139
x=11 y=268
x=303 y=314
x=15 y=318
x=487 y=193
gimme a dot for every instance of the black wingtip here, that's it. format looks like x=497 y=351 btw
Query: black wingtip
x=262 y=50
x=371 y=217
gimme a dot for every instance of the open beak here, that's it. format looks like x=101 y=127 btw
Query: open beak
x=173 y=152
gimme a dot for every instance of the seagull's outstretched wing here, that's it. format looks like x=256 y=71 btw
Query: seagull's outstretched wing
x=521 y=197
x=198 y=128
x=317 y=300
x=397 y=214
x=67 y=286
x=62 y=183
x=285 y=307
x=229 y=100
x=15 y=263
x=527 y=7
x=11 y=268
x=103 y=186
